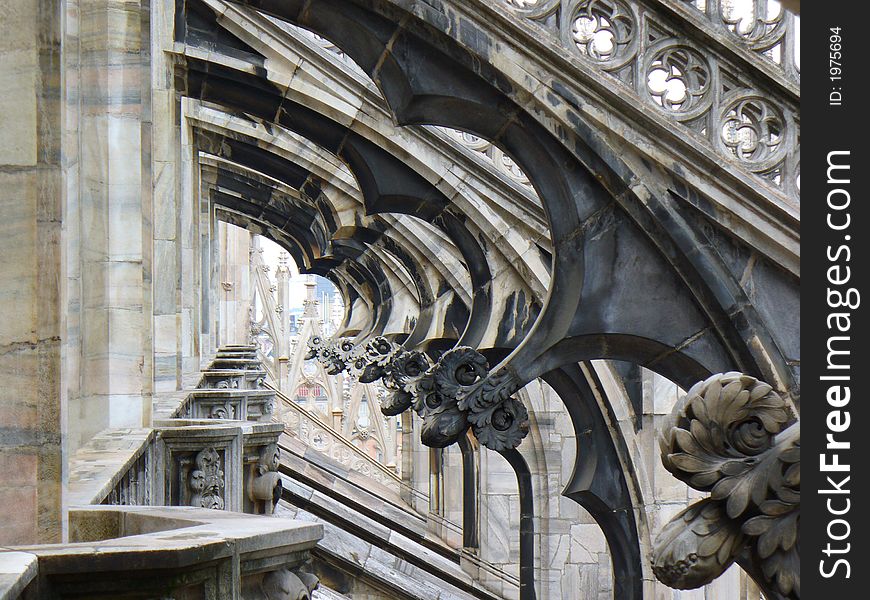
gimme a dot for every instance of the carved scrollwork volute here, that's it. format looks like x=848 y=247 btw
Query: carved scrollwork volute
x=730 y=435
x=265 y=485
x=285 y=584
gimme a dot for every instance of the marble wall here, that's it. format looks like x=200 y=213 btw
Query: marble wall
x=98 y=284
x=107 y=88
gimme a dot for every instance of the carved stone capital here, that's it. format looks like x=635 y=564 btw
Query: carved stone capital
x=733 y=436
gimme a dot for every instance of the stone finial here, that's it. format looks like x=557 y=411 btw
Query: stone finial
x=730 y=436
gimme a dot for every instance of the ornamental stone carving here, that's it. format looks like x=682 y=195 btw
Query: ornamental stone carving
x=752 y=129
x=265 y=485
x=285 y=584
x=678 y=79
x=206 y=481
x=604 y=31
x=734 y=437
x=456 y=393
x=231 y=383
x=334 y=355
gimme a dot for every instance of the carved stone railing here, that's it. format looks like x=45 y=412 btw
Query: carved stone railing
x=206 y=463
x=713 y=77
x=734 y=437
x=210 y=447
x=136 y=484
x=218 y=464
x=314 y=433
x=168 y=552
x=115 y=466
x=764 y=28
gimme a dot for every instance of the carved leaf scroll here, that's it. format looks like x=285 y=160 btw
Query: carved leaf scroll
x=733 y=436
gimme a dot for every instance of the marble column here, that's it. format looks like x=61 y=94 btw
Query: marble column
x=31 y=419
x=109 y=245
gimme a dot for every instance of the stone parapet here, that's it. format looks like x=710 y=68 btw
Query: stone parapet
x=232 y=379
x=133 y=552
x=17 y=570
x=224 y=403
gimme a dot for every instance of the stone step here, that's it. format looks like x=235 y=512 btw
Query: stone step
x=237 y=347
x=235 y=363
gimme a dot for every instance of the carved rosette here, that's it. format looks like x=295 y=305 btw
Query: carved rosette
x=206 y=482
x=371 y=363
x=337 y=355
x=458 y=392
x=730 y=435
x=401 y=377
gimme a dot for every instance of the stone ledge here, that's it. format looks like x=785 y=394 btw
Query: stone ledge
x=17 y=570
x=98 y=466
x=179 y=541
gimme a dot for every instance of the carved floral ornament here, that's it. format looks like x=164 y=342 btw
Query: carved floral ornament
x=734 y=437
x=455 y=394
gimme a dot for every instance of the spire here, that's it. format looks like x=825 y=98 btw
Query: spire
x=283 y=263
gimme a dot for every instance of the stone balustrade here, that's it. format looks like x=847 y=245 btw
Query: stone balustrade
x=228 y=403
x=123 y=552
x=209 y=447
x=210 y=463
x=232 y=379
